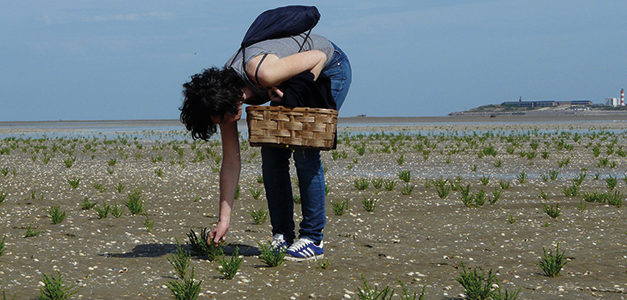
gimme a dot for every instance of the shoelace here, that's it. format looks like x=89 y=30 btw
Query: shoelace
x=301 y=243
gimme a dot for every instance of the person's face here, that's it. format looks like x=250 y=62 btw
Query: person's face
x=229 y=117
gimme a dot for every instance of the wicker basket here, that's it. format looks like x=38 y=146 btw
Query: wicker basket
x=299 y=127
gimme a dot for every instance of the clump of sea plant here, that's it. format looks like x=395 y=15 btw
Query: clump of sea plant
x=148 y=223
x=69 y=162
x=504 y=184
x=259 y=216
x=404 y=176
x=611 y=182
x=2 y=249
x=55 y=289
x=361 y=183
x=56 y=215
x=615 y=199
x=579 y=179
x=369 y=204
x=552 y=263
x=86 y=205
x=389 y=184
x=571 y=191
x=407 y=296
x=271 y=256
x=74 y=182
x=203 y=246
x=407 y=189
x=3 y=196
x=496 y=195
x=116 y=210
x=186 y=287
x=377 y=183
x=256 y=193
x=120 y=187
x=442 y=188
x=103 y=212
x=99 y=187
x=370 y=293
x=522 y=177
x=339 y=207
x=466 y=197
x=323 y=263
x=477 y=286
x=229 y=267
x=135 y=203
x=480 y=198
x=30 y=232
x=499 y=294
x=553 y=211
x=484 y=180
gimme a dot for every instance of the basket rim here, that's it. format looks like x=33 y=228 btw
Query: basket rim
x=283 y=108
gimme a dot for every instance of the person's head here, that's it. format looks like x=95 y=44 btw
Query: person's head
x=209 y=98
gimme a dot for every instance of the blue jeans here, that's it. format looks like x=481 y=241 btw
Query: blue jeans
x=276 y=175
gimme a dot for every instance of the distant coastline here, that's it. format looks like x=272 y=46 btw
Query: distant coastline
x=462 y=117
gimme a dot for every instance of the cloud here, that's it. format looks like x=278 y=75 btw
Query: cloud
x=128 y=17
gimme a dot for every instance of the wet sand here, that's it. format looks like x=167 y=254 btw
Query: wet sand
x=419 y=239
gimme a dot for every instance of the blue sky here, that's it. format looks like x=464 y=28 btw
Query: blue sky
x=93 y=60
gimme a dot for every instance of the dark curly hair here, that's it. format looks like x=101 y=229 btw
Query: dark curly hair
x=213 y=92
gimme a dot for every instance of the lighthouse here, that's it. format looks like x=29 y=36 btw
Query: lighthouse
x=622 y=97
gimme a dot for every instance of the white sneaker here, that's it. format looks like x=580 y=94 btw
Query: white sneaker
x=278 y=242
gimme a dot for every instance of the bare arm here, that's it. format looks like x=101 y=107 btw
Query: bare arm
x=275 y=70
x=229 y=177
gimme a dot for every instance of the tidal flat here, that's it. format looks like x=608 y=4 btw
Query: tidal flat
x=443 y=194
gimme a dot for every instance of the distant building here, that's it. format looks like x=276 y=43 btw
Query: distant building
x=613 y=102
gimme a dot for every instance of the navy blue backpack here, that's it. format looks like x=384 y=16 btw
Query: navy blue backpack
x=280 y=22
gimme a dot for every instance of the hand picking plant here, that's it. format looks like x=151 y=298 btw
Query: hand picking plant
x=56 y=215
x=228 y=268
x=211 y=251
x=259 y=216
x=55 y=289
x=135 y=203
x=273 y=257
x=339 y=207
x=369 y=293
x=477 y=286
x=552 y=263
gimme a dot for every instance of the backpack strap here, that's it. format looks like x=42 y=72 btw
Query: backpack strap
x=257 y=69
x=305 y=40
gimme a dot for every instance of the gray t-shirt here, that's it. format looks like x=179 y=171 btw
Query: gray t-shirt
x=281 y=48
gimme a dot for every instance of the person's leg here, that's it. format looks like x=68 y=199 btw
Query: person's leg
x=312 y=187
x=276 y=180
x=339 y=71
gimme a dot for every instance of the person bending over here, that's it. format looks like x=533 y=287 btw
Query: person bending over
x=215 y=97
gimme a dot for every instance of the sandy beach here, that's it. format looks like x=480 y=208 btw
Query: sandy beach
x=415 y=235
